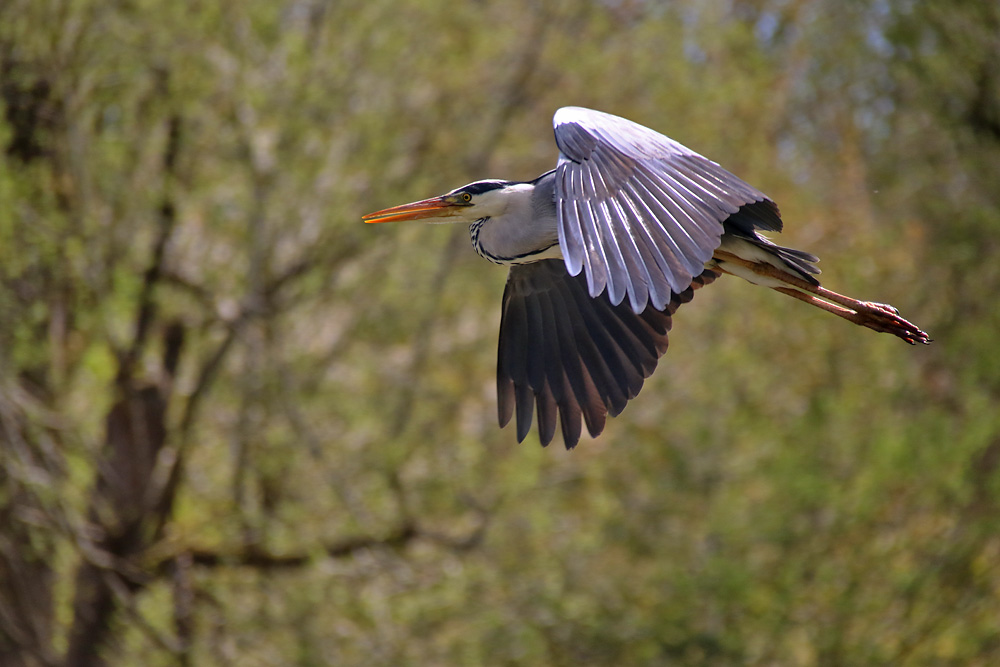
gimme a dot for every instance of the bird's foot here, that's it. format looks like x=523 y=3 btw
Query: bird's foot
x=884 y=318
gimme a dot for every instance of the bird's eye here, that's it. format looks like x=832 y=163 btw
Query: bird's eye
x=466 y=197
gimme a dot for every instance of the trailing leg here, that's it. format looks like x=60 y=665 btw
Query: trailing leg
x=876 y=316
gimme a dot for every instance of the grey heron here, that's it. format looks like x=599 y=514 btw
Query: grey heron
x=602 y=250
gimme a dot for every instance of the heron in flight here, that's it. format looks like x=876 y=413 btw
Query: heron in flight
x=602 y=250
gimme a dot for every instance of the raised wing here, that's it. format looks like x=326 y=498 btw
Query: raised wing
x=639 y=212
x=572 y=355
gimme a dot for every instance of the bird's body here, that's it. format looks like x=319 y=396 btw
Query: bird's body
x=602 y=250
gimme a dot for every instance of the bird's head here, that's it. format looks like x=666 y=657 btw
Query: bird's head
x=482 y=199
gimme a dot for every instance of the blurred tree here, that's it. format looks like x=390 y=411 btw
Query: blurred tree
x=237 y=426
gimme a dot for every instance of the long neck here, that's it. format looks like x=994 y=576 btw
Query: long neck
x=524 y=230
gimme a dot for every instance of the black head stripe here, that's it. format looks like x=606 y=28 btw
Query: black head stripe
x=479 y=187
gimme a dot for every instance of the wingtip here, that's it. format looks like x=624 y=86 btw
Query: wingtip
x=505 y=400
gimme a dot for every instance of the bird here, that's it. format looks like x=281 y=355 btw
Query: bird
x=602 y=250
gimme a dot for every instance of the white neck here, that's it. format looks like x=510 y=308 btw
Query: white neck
x=519 y=225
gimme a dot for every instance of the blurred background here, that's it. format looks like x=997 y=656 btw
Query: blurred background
x=238 y=426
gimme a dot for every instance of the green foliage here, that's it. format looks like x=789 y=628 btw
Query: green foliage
x=787 y=489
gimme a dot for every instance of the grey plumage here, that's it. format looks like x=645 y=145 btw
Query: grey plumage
x=638 y=212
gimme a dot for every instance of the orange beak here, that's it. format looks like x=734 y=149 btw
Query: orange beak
x=435 y=207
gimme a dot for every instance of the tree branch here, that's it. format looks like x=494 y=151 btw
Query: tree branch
x=167 y=222
x=253 y=556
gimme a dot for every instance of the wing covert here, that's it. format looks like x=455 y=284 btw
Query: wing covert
x=639 y=213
